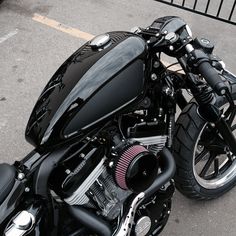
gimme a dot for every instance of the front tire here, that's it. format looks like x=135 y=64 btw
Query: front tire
x=191 y=152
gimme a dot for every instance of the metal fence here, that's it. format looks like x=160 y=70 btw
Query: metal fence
x=223 y=10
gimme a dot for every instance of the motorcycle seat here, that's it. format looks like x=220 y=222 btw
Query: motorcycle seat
x=7 y=179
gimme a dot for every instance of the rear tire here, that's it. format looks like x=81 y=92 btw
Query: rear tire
x=189 y=128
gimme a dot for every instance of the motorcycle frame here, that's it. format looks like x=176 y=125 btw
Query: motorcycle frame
x=37 y=166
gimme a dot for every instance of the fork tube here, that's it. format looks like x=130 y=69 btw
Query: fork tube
x=227 y=134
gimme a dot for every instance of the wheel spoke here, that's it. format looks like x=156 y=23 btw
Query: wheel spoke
x=201 y=156
x=216 y=167
x=207 y=166
x=226 y=166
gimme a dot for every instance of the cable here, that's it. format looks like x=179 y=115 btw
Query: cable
x=176 y=63
x=178 y=70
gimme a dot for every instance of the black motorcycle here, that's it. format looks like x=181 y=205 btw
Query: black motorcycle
x=107 y=144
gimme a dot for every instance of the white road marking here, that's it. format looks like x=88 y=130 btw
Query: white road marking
x=9 y=35
x=51 y=23
x=73 y=31
x=62 y=27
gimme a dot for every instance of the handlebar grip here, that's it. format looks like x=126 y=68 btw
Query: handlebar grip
x=212 y=78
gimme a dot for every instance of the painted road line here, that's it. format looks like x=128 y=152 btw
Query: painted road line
x=9 y=35
x=61 y=27
x=71 y=31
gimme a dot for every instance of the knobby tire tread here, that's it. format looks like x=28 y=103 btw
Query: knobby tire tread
x=187 y=130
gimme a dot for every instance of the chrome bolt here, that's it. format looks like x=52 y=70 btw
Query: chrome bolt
x=68 y=171
x=111 y=164
x=82 y=155
x=27 y=189
x=171 y=48
x=153 y=76
x=156 y=64
x=213 y=125
x=223 y=91
x=168 y=91
x=200 y=148
x=21 y=176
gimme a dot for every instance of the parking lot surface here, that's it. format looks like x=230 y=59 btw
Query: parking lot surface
x=31 y=50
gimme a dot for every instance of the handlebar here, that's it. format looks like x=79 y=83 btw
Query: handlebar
x=202 y=66
x=212 y=78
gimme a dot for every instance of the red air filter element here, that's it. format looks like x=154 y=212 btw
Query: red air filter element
x=136 y=168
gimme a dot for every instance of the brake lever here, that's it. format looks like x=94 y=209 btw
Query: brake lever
x=231 y=111
x=229 y=76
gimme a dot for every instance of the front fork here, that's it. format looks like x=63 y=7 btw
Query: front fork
x=212 y=114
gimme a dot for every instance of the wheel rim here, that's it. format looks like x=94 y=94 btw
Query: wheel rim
x=212 y=170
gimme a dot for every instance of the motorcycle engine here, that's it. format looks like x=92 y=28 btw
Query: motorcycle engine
x=103 y=181
x=99 y=191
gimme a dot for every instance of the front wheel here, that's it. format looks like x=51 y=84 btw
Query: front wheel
x=206 y=169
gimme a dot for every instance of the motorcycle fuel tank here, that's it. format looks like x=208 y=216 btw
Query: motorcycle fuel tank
x=97 y=81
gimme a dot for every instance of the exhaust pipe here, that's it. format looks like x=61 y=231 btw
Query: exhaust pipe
x=163 y=178
x=90 y=220
x=168 y=172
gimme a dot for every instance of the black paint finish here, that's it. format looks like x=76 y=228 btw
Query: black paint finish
x=87 y=74
x=7 y=180
x=116 y=94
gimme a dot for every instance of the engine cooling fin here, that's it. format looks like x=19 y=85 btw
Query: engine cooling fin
x=136 y=168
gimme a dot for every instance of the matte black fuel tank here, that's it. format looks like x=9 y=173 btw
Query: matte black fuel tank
x=90 y=86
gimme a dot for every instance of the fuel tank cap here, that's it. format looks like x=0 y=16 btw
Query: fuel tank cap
x=100 y=41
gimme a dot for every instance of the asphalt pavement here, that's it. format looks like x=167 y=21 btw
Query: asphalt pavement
x=30 y=52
